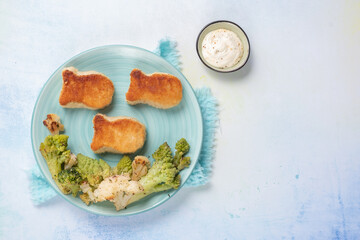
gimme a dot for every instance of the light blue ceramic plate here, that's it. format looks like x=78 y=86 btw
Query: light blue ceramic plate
x=116 y=62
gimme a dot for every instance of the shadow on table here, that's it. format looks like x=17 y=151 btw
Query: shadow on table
x=94 y=225
x=54 y=201
x=232 y=76
x=160 y=213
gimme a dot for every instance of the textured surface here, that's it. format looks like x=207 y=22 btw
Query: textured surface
x=203 y=169
x=287 y=160
x=170 y=125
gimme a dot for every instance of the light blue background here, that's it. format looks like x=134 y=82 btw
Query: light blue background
x=287 y=162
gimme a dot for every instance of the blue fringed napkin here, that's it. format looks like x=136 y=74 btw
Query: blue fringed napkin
x=41 y=191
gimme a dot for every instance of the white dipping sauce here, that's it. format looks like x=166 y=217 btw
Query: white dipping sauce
x=222 y=48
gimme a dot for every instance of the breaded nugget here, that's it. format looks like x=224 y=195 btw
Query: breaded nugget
x=117 y=134
x=90 y=89
x=160 y=90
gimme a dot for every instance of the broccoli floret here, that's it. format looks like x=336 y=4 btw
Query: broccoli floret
x=54 y=150
x=182 y=147
x=70 y=179
x=54 y=145
x=92 y=170
x=123 y=166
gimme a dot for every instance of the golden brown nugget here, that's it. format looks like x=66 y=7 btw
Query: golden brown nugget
x=160 y=90
x=90 y=89
x=117 y=134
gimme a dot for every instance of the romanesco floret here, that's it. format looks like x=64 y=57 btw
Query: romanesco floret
x=54 y=147
x=70 y=179
x=174 y=184
x=160 y=173
x=182 y=147
x=162 y=176
x=163 y=153
x=92 y=170
x=54 y=150
x=184 y=162
x=123 y=166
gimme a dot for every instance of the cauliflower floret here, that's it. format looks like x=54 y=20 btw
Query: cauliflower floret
x=118 y=189
x=87 y=190
x=140 y=166
x=71 y=162
x=121 y=200
x=52 y=122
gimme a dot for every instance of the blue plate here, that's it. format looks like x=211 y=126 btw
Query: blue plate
x=116 y=62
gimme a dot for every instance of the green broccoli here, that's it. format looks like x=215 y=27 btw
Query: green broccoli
x=54 y=150
x=182 y=147
x=70 y=179
x=123 y=166
x=92 y=170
